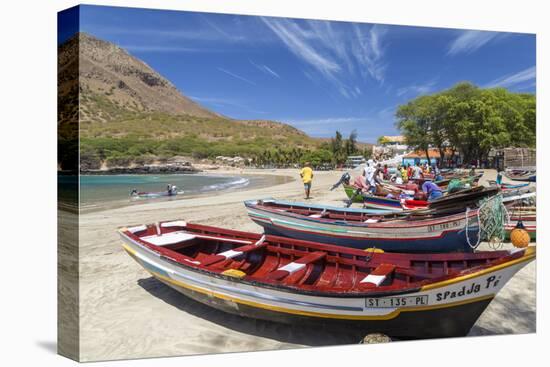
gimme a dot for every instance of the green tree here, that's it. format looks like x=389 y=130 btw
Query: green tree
x=469 y=119
x=350 y=145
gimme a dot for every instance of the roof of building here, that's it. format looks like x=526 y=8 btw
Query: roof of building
x=432 y=152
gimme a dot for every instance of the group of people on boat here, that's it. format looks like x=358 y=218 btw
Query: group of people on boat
x=171 y=190
x=374 y=173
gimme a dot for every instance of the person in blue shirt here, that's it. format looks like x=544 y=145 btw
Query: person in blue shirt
x=432 y=190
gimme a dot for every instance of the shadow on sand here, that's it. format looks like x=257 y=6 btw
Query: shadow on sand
x=519 y=318
x=304 y=335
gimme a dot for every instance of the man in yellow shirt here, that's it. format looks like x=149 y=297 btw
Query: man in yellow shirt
x=307 y=176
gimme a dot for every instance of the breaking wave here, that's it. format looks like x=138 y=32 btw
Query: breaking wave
x=237 y=183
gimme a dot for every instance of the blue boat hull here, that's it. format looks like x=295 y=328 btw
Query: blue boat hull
x=454 y=241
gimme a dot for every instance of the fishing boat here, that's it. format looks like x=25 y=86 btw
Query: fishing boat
x=506 y=186
x=521 y=175
x=527 y=216
x=352 y=194
x=530 y=228
x=358 y=228
x=152 y=195
x=411 y=190
x=305 y=283
x=383 y=203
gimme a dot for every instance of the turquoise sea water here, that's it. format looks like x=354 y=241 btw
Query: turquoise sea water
x=99 y=191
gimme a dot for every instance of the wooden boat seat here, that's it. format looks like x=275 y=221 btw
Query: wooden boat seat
x=170 y=238
x=323 y=214
x=229 y=254
x=177 y=223
x=297 y=265
x=377 y=276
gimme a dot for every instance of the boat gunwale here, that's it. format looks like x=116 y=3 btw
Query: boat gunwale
x=500 y=262
x=392 y=223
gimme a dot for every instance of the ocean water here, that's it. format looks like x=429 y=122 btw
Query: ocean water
x=102 y=191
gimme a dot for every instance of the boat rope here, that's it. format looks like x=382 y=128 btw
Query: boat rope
x=491 y=216
x=466 y=228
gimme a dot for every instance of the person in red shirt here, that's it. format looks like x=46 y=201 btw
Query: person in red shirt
x=409 y=171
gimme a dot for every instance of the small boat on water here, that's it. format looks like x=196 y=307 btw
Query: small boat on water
x=415 y=231
x=152 y=195
x=305 y=283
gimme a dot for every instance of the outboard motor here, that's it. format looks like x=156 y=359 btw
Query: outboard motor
x=345 y=179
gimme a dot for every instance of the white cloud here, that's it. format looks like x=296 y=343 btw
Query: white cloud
x=236 y=76
x=225 y=102
x=328 y=121
x=417 y=89
x=368 y=50
x=341 y=53
x=265 y=69
x=270 y=71
x=369 y=127
x=470 y=41
x=509 y=80
x=297 y=41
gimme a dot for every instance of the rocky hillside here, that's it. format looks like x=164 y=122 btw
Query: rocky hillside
x=113 y=82
x=128 y=113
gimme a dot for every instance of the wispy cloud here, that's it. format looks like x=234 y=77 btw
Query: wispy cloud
x=265 y=69
x=236 y=76
x=225 y=102
x=521 y=77
x=341 y=53
x=369 y=126
x=296 y=39
x=328 y=121
x=417 y=89
x=202 y=34
x=470 y=41
x=368 y=50
x=270 y=71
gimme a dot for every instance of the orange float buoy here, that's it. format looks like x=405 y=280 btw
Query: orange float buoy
x=520 y=236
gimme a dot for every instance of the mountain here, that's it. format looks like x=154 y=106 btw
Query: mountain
x=113 y=82
x=118 y=111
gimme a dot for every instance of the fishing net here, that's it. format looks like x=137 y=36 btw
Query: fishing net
x=491 y=216
x=455 y=185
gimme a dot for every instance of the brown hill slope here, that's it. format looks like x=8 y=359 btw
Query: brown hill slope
x=128 y=113
x=113 y=81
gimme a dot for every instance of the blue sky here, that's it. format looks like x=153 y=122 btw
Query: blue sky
x=319 y=76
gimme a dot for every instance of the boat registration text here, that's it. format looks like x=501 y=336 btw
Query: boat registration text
x=388 y=302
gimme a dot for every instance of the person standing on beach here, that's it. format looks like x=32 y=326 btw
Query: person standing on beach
x=307 y=176
x=370 y=176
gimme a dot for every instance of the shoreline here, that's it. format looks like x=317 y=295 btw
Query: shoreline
x=115 y=291
x=255 y=180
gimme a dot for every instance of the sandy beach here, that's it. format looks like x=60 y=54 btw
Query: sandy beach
x=125 y=313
